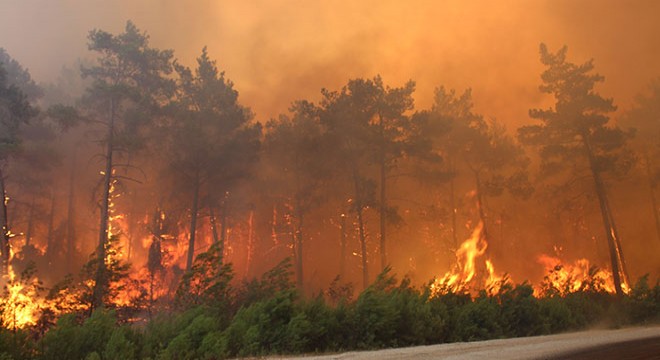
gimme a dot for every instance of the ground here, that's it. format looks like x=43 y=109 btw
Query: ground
x=627 y=343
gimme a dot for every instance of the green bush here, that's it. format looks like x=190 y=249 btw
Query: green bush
x=643 y=303
x=479 y=320
x=273 y=319
x=188 y=341
x=69 y=340
x=556 y=315
x=521 y=313
x=16 y=344
x=262 y=327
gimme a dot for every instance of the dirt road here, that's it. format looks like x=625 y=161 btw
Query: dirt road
x=629 y=343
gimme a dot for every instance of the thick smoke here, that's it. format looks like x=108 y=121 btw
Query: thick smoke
x=277 y=52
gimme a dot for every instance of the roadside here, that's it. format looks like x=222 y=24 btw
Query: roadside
x=577 y=345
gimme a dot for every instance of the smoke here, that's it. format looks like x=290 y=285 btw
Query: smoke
x=280 y=51
x=277 y=52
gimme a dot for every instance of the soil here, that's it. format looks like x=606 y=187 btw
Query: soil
x=627 y=343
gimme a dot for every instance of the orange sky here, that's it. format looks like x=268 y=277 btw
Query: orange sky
x=278 y=51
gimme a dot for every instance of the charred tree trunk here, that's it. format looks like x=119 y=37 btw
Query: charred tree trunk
x=4 y=226
x=100 y=281
x=610 y=232
x=193 y=224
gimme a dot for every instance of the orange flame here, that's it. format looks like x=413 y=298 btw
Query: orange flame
x=21 y=303
x=465 y=275
x=565 y=278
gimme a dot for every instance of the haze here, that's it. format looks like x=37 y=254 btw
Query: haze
x=280 y=51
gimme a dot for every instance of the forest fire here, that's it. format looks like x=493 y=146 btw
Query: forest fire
x=471 y=273
x=368 y=214
x=21 y=302
x=563 y=278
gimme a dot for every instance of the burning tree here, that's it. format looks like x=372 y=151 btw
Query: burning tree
x=577 y=130
x=473 y=147
x=128 y=82
x=15 y=111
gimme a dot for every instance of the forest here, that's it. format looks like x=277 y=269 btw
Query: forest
x=148 y=213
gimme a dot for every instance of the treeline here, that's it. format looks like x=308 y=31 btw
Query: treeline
x=142 y=159
x=268 y=316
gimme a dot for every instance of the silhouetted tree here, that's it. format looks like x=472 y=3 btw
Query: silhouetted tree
x=213 y=145
x=474 y=148
x=15 y=111
x=295 y=152
x=348 y=115
x=645 y=118
x=129 y=83
x=577 y=129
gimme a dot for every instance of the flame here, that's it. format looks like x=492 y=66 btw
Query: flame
x=21 y=303
x=563 y=278
x=465 y=276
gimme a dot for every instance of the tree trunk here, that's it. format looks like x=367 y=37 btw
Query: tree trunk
x=342 y=239
x=193 y=224
x=383 y=213
x=51 y=225
x=4 y=226
x=70 y=220
x=363 y=238
x=30 y=224
x=617 y=243
x=100 y=282
x=299 y=252
x=250 y=244
x=484 y=238
x=216 y=238
x=223 y=227
x=480 y=208
x=654 y=199
x=610 y=232
x=452 y=200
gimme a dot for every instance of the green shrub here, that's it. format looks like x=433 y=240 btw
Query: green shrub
x=69 y=340
x=187 y=343
x=556 y=315
x=643 y=302
x=262 y=327
x=16 y=344
x=479 y=320
x=521 y=314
